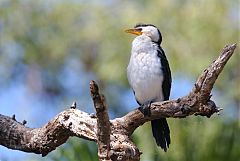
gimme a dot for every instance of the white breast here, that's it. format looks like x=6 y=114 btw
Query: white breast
x=144 y=71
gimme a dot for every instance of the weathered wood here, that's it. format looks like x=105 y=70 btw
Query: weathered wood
x=103 y=123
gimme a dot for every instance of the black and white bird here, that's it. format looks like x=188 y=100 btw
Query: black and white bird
x=149 y=75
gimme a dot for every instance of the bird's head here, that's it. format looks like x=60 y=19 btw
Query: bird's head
x=147 y=30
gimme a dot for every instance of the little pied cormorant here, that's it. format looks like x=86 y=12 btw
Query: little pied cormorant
x=149 y=75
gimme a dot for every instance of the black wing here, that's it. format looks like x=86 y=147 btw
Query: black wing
x=167 y=79
x=160 y=129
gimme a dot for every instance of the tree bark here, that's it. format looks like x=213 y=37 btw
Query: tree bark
x=112 y=136
x=103 y=123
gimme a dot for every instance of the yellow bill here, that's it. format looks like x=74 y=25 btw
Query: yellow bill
x=134 y=31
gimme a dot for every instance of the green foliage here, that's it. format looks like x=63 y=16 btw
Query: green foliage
x=77 y=150
x=194 y=139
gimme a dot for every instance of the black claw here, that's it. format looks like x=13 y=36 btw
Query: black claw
x=145 y=109
x=141 y=109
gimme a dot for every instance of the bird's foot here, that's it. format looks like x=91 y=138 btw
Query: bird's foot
x=145 y=108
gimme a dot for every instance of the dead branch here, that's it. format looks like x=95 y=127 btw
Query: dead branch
x=103 y=123
x=113 y=137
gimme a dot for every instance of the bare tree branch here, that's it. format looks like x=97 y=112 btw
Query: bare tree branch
x=113 y=137
x=71 y=122
x=103 y=123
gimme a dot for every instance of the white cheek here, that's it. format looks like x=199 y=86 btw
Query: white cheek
x=155 y=36
x=152 y=34
x=148 y=33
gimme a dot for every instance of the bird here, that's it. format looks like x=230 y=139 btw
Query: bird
x=149 y=76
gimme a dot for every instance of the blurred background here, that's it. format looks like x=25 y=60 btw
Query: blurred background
x=51 y=50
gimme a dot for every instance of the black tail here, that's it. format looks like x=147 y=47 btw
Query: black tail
x=161 y=133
